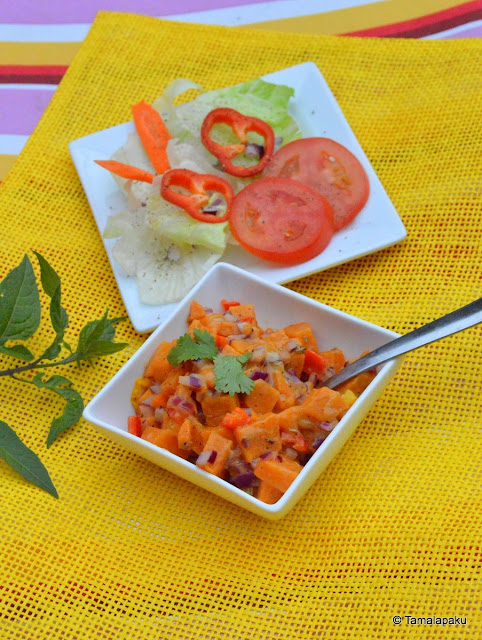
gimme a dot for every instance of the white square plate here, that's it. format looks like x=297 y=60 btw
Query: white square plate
x=275 y=307
x=318 y=114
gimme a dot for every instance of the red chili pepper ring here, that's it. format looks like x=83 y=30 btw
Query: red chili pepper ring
x=241 y=126
x=198 y=186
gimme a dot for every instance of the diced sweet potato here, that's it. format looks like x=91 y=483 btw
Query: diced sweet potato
x=243 y=313
x=189 y=435
x=229 y=351
x=222 y=446
x=140 y=387
x=289 y=418
x=216 y=405
x=296 y=362
x=267 y=493
x=335 y=360
x=158 y=367
x=357 y=384
x=275 y=340
x=287 y=396
x=164 y=438
x=262 y=398
x=259 y=438
x=196 y=311
x=324 y=405
x=278 y=472
x=246 y=345
x=304 y=332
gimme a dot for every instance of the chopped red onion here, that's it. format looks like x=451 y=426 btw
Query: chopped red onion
x=229 y=317
x=258 y=354
x=272 y=356
x=266 y=454
x=193 y=380
x=317 y=443
x=291 y=345
x=159 y=414
x=147 y=402
x=259 y=375
x=187 y=406
x=254 y=150
x=146 y=411
x=244 y=480
x=327 y=426
x=215 y=206
x=204 y=458
x=175 y=400
x=279 y=458
x=155 y=388
x=291 y=453
x=237 y=336
x=313 y=379
x=245 y=442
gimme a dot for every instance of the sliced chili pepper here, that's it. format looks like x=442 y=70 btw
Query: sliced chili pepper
x=198 y=186
x=126 y=170
x=240 y=125
x=153 y=133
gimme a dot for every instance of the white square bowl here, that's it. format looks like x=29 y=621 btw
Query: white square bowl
x=275 y=307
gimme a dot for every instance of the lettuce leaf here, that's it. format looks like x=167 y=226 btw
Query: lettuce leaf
x=171 y=223
x=258 y=98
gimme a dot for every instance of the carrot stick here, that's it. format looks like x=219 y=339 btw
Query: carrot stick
x=126 y=170
x=153 y=134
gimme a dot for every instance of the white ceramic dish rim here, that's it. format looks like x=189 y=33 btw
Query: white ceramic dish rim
x=211 y=482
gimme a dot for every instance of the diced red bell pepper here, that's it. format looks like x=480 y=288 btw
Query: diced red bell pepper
x=314 y=363
x=199 y=186
x=229 y=303
x=295 y=440
x=241 y=126
x=237 y=418
x=134 y=425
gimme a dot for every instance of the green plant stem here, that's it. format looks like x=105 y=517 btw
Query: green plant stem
x=36 y=365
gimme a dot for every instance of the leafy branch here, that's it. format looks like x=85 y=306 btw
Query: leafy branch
x=20 y=316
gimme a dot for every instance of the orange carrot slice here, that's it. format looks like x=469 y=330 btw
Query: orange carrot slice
x=126 y=170
x=153 y=134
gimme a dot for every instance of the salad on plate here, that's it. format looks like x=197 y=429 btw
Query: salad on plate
x=229 y=167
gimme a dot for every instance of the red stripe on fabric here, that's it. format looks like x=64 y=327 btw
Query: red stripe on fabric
x=22 y=74
x=428 y=24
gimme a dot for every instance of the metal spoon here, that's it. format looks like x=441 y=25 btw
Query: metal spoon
x=463 y=318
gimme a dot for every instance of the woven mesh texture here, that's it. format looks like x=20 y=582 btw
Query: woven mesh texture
x=393 y=525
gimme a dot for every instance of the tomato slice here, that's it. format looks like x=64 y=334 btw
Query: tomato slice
x=281 y=220
x=328 y=167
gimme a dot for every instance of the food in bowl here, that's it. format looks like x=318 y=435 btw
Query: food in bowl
x=242 y=402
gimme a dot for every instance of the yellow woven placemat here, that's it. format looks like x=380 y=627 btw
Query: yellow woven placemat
x=393 y=526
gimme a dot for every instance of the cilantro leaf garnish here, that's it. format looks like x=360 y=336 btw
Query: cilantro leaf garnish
x=202 y=346
x=229 y=374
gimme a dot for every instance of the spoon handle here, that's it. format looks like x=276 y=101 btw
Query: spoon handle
x=458 y=320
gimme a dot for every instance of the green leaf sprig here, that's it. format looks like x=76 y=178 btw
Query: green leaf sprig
x=229 y=376
x=20 y=317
